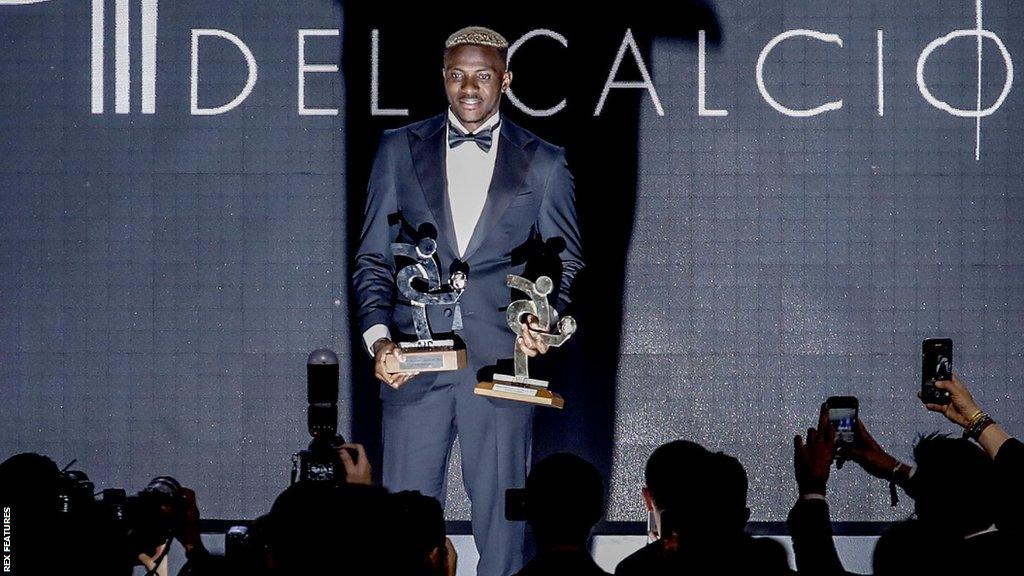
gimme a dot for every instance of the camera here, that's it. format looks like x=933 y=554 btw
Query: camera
x=138 y=523
x=74 y=492
x=321 y=460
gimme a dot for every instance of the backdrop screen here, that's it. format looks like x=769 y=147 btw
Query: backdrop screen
x=780 y=200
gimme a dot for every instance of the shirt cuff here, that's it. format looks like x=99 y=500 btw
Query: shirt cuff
x=374 y=333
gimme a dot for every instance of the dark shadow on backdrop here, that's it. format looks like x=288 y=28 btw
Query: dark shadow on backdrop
x=602 y=153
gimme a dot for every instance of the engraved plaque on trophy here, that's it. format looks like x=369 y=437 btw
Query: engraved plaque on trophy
x=419 y=283
x=519 y=386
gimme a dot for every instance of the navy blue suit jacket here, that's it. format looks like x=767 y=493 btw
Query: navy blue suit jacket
x=527 y=227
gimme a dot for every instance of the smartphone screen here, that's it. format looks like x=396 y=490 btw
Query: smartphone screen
x=936 y=365
x=843 y=419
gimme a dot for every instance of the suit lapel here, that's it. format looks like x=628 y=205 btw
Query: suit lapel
x=510 y=168
x=428 y=157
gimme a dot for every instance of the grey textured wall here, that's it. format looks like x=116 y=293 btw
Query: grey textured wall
x=778 y=260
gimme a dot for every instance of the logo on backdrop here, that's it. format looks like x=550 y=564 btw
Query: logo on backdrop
x=145 y=94
x=122 y=55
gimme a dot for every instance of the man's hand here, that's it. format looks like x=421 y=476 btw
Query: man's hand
x=358 y=471
x=186 y=528
x=381 y=349
x=869 y=454
x=961 y=406
x=149 y=562
x=529 y=342
x=812 y=461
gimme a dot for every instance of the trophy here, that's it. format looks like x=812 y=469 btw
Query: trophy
x=420 y=284
x=521 y=387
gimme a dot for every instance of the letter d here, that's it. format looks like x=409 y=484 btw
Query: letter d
x=249 y=83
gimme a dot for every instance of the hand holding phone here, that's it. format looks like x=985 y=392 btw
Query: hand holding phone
x=812 y=459
x=961 y=407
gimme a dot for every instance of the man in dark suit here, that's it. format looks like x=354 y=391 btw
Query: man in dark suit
x=499 y=199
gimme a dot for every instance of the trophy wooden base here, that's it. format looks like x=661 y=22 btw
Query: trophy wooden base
x=527 y=390
x=426 y=359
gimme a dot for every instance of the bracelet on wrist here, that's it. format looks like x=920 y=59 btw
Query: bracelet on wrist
x=974 y=419
x=978 y=426
x=900 y=474
x=895 y=470
x=894 y=498
x=815 y=486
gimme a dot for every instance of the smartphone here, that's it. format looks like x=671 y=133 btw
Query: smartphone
x=842 y=413
x=936 y=365
x=515 y=504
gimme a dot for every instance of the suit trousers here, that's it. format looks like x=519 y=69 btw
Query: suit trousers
x=495 y=438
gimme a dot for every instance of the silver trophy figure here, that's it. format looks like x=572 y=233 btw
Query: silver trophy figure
x=520 y=387
x=420 y=284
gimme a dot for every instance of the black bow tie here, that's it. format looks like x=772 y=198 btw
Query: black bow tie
x=481 y=138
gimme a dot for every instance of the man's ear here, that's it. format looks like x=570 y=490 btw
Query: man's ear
x=648 y=500
x=506 y=80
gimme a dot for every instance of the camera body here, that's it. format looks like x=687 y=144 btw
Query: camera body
x=138 y=523
x=321 y=462
x=74 y=493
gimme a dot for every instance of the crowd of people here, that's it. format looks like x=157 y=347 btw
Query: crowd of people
x=968 y=514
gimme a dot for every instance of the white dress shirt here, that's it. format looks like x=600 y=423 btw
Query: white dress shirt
x=469 y=170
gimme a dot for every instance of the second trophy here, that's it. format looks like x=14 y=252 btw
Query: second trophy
x=519 y=386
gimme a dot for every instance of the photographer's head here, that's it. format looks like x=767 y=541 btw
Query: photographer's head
x=51 y=509
x=722 y=509
x=671 y=477
x=29 y=481
x=564 y=500
x=904 y=549
x=953 y=485
x=327 y=527
x=694 y=493
x=421 y=550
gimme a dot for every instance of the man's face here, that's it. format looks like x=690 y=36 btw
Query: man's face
x=474 y=77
